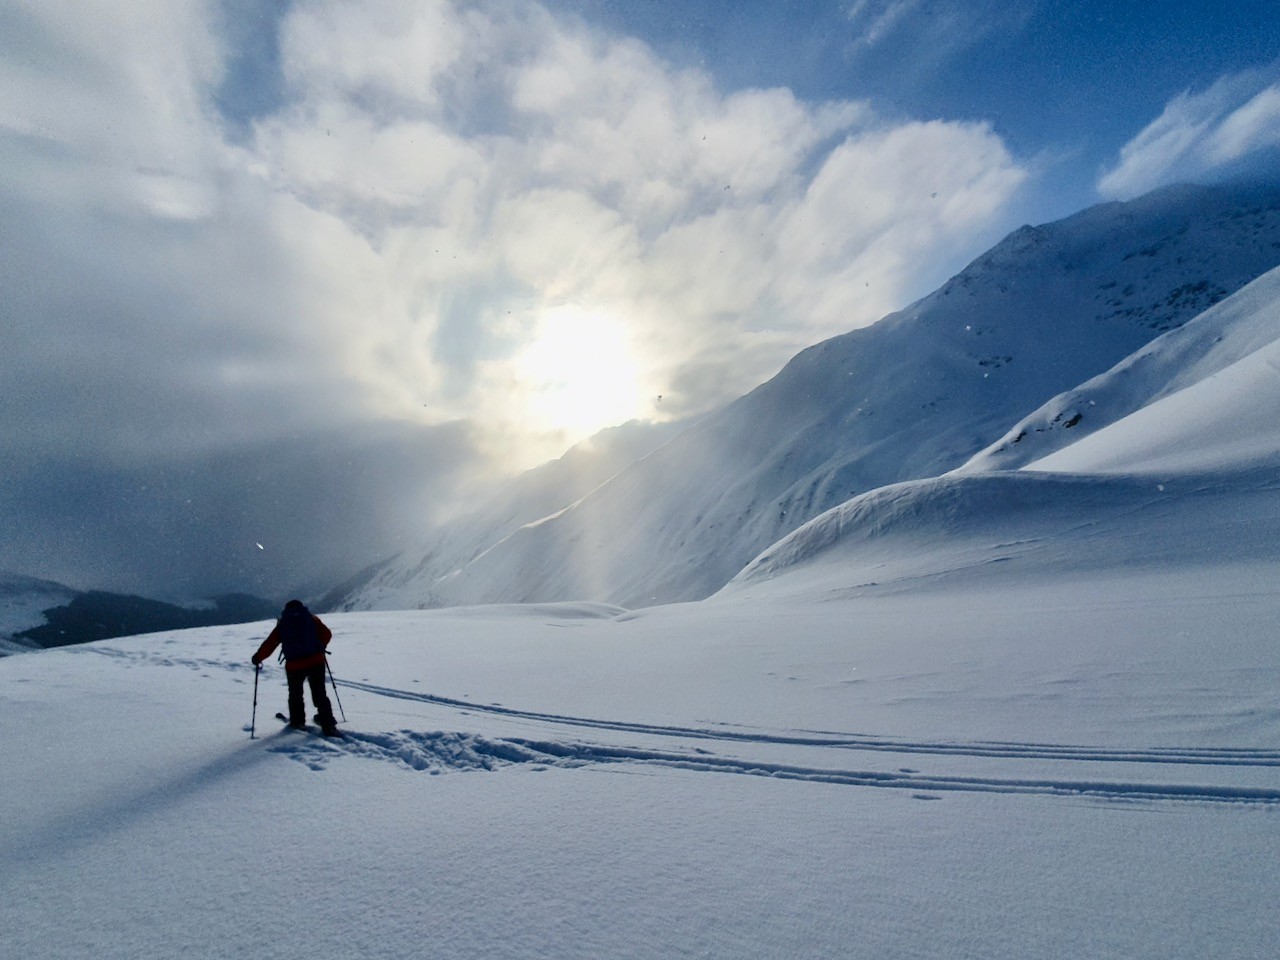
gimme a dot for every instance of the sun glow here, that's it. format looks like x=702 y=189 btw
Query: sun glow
x=579 y=374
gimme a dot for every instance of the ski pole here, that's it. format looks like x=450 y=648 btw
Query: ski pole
x=335 y=689
x=257 y=669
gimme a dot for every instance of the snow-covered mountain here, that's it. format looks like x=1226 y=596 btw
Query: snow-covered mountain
x=916 y=395
x=37 y=614
x=981 y=724
x=397 y=582
x=1175 y=460
x=1214 y=345
x=23 y=601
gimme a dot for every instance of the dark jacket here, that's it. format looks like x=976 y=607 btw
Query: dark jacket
x=301 y=663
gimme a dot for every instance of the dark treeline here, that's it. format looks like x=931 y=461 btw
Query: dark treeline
x=98 y=615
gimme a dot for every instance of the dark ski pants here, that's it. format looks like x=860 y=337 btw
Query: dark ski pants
x=297 y=707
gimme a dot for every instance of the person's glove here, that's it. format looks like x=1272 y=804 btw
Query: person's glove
x=254 y=660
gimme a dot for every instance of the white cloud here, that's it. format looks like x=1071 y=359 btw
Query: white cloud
x=724 y=231
x=386 y=47
x=921 y=36
x=1254 y=126
x=1199 y=134
x=115 y=95
x=876 y=19
x=444 y=185
x=880 y=205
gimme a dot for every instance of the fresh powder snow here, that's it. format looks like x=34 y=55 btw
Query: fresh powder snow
x=1018 y=759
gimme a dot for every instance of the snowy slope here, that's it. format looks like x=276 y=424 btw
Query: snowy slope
x=1233 y=343
x=1188 y=476
x=1019 y=713
x=397 y=583
x=990 y=765
x=1048 y=524
x=1231 y=417
x=1189 y=473
x=913 y=396
x=23 y=601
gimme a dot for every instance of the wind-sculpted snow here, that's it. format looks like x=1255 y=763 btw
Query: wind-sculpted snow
x=1223 y=337
x=1036 y=522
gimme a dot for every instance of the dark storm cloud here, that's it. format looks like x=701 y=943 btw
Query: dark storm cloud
x=296 y=514
x=176 y=392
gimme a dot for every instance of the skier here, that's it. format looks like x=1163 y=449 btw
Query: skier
x=304 y=638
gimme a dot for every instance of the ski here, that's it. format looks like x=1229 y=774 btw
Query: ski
x=307 y=728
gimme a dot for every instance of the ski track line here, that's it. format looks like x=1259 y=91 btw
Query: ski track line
x=1208 y=756
x=439 y=752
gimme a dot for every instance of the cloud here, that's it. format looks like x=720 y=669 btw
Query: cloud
x=1201 y=135
x=605 y=180
x=878 y=18
x=436 y=203
x=114 y=95
x=924 y=34
x=322 y=506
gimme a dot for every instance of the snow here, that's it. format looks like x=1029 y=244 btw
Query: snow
x=1219 y=412
x=958 y=765
x=23 y=601
x=1020 y=712
x=1232 y=343
x=923 y=391
x=1186 y=431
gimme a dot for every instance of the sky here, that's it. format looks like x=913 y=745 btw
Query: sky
x=285 y=283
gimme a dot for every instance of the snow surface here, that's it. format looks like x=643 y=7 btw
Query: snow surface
x=1187 y=431
x=1018 y=714
x=1232 y=342
x=990 y=714
x=1023 y=761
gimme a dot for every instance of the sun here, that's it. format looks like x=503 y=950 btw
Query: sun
x=579 y=374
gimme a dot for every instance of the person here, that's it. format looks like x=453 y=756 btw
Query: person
x=304 y=638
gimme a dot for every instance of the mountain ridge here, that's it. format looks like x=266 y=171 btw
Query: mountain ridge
x=915 y=395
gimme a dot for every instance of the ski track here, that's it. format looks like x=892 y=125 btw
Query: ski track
x=1213 y=756
x=440 y=751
